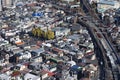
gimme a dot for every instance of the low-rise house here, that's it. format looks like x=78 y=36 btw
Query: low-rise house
x=43 y=74
x=16 y=40
x=53 y=55
x=33 y=47
x=13 y=49
x=25 y=55
x=26 y=47
x=4 y=42
x=35 y=66
x=27 y=29
x=114 y=35
x=30 y=76
x=58 y=75
x=117 y=41
x=74 y=38
x=37 y=52
x=46 y=55
x=88 y=52
x=76 y=28
x=65 y=58
x=4 y=25
x=7 y=34
x=60 y=44
x=2 y=61
x=16 y=75
x=71 y=63
x=4 y=77
x=16 y=57
x=17 y=50
x=20 y=67
x=75 y=69
x=9 y=48
x=58 y=51
x=91 y=46
x=52 y=67
x=73 y=48
x=5 y=56
x=79 y=55
x=50 y=75
x=1 y=39
x=37 y=59
x=47 y=45
x=61 y=31
x=92 y=69
x=56 y=59
x=7 y=67
x=70 y=78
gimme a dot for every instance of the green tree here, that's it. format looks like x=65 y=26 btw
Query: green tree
x=34 y=31
x=39 y=32
x=50 y=34
x=44 y=34
x=1 y=68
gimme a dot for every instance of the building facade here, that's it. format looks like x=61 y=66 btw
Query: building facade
x=7 y=3
x=0 y=5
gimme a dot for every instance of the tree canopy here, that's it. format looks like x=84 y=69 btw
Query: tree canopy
x=34 y=31
x=37 y=32
x=50 y=34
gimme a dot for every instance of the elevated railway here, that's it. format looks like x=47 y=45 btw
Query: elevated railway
x=110 y=55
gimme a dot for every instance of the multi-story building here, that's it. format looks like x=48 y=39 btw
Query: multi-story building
x=104 y=5
x=0 y=5
x=7 y=3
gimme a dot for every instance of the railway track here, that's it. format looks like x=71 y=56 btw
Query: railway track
x=110 y=52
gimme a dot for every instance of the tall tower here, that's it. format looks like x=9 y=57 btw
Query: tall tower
x=0 y=5
x=7 y=3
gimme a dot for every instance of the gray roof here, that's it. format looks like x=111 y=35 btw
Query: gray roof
x=40 y=50
x=59 y=29
x=74 y=37
x=107 y=2
x=76 y=27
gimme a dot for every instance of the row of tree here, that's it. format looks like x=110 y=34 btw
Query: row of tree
x=37 y=32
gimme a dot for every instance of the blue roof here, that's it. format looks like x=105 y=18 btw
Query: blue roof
x=5 y=18
x=107 y=2
x=75 y=68
x=19 y=4
x=37 y=14
x=40 y=50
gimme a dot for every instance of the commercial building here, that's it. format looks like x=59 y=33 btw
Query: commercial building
x=105 y=5
x=0 y=5
x=7 y=3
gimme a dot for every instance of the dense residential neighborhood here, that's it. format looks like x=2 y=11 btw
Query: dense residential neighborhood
x=48 y=39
